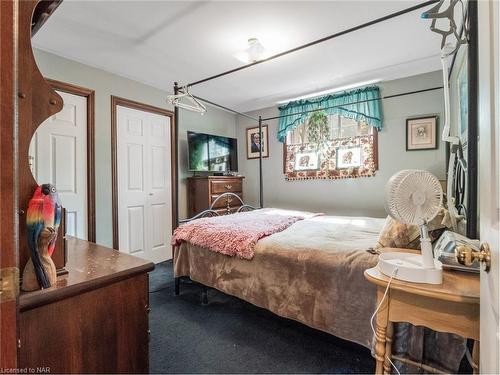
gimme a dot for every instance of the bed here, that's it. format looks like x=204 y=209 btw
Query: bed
x=311 y=272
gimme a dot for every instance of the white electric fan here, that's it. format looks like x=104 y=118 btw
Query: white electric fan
x=413 y=197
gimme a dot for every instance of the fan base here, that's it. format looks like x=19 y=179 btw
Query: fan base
x=410 y=268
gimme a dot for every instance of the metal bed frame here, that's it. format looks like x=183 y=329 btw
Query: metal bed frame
x=212 y=212
x=472 y=152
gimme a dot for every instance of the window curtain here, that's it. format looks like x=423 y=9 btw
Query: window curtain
x=360 y=104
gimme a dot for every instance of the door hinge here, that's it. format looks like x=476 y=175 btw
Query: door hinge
x=9 y=284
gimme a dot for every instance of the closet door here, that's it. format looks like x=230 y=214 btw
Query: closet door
x=58 y=155
x=144 y=197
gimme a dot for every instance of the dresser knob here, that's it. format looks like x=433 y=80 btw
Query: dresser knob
x=228 y=187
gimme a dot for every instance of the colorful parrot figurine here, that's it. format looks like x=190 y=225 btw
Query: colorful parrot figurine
x=44 y=210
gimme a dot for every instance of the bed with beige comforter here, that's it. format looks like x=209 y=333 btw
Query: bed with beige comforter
x=311 y=272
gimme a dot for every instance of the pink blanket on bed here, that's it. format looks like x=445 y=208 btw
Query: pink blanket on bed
x=237 y=234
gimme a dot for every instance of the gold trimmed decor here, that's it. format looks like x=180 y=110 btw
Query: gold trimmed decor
x=339 y=158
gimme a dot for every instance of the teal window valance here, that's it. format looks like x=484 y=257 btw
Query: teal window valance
x=360 y=104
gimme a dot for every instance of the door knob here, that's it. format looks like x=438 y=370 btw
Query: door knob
x=466 y=255
x=150 y=193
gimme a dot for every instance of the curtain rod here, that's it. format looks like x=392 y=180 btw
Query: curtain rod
x=226 y=108
x=358 y=102
x=324 y=39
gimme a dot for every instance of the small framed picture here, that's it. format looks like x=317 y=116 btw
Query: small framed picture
x=306 y=161
x=421 y=133
x=255 y=141
x=348 y=157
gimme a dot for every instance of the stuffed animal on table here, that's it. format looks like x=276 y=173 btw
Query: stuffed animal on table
x=42 y=219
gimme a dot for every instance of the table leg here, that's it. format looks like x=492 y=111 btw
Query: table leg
x=380 y=331
x=388 y=347
x=475 y=357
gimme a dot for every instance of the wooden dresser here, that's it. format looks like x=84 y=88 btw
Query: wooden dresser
x=94 y=320
x=203 y=191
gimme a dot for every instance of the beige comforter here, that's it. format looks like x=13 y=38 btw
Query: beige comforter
x=311 y=272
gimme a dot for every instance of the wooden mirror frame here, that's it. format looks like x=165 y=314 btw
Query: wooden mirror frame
x=36 y=102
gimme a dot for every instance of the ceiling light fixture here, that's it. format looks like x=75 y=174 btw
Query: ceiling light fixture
x=253 y=53
x=255 y=50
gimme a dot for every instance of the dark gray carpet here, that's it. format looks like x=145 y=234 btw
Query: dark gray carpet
x=232 y=336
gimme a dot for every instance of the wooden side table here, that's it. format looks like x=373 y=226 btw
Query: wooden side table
x=451 y=307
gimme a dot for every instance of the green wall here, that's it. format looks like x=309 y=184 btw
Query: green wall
x=106 y=84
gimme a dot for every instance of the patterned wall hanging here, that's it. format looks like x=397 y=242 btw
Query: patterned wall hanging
x=340 y=158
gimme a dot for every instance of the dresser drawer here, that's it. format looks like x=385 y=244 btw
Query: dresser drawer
x=222 y=203
x=204 y=190
x=232 y=186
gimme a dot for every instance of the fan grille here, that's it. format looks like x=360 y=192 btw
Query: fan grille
x=413 y=196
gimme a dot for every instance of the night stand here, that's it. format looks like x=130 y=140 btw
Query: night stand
x=451 y=307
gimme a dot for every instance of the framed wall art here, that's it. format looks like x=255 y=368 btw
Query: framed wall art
x=256 y=140
x=421 y=133
x=307 y=161
x=349 y=157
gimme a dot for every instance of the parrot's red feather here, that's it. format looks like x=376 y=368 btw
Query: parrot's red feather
x=42 y=209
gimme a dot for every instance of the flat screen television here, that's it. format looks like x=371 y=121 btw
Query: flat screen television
x=212 y=153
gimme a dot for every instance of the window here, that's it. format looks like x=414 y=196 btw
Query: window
x=339 y=127
x=330 y=147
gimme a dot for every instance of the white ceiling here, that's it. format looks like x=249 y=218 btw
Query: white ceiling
x=159 y=42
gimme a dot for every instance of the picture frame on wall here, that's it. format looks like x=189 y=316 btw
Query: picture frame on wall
x=348 y=157
x=421 y=133
x=256 y=140
x=306 y=161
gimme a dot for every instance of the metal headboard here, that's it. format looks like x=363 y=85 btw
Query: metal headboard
x=211 y=212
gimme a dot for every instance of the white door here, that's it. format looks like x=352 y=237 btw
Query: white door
x=144 y=193
x=58 y=155
x=489 y=175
